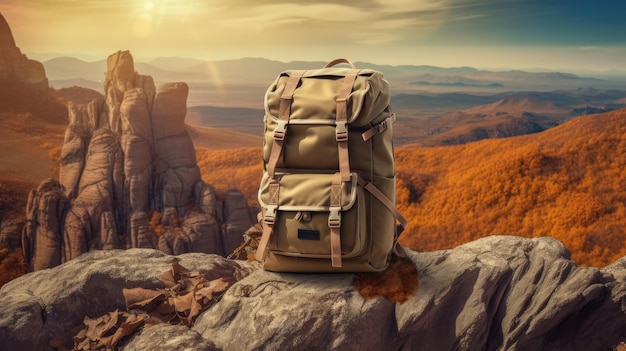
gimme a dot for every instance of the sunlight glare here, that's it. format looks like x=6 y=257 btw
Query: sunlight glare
x=143 y=26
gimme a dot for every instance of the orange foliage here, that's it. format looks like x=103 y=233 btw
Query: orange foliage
x=232 y=169
x=12 y=265
x=54 y=154
x=568 y=182
x=155 y=223
x=397 y=283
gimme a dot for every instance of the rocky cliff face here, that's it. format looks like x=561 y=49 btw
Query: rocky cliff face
x=129 y=179
x=497 y=293
x=15 y=66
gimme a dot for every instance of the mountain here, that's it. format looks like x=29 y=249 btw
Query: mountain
x=440 y=102
x=79 y=95
x=15 y=67
x=261 y=71
x=426 y=119
x=32 y=117
x=565 y=182
x=65 y=68
x=175 y=63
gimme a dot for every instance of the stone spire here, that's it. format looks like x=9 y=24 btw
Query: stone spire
x=6 y=37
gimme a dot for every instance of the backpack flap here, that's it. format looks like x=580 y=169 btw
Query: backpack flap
x=306 y=207
x=315 y=96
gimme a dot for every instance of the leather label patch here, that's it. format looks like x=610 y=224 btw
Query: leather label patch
x=308 y=234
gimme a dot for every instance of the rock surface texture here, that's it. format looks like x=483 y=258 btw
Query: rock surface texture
x=128 y=179
x=496 y=293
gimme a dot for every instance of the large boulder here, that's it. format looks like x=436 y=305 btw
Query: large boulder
x=496 y=293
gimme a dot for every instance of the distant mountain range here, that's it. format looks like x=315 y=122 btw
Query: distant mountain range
x=260 y=71
x=458 y=118
x=435 y=105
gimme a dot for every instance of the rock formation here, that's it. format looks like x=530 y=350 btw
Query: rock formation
x=497 y=293
x=129 y=179
x=15 y=67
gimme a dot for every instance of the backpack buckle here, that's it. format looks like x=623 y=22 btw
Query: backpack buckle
x=270 y=215
x=280 y=131
x=341 y=131
x=381 y=127
x=334 y=217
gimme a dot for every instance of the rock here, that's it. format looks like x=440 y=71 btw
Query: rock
x=15 y=67
x=204 y=234
x=206 y=200
x=10 y=233
x=6 y=37
x=169 y=110
x=72 y=158
x=236 y=219
x=108 y=232
x=90 y=285
x=127 y=159
x=140 y=230
x=165 y=337
x=42 y=235
x=138 y=171
x=496 y=293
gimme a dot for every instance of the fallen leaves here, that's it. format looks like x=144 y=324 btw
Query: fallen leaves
x=186 y=295
x=397 y=283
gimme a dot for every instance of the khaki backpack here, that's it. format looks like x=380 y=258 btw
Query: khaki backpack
x=328 y=187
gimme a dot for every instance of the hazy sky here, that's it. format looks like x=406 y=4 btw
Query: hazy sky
x=552 y=34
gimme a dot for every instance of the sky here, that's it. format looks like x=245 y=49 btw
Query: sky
x=493 y=34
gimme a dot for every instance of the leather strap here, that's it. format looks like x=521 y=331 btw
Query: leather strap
x=284 y=112
x=341 y=131
x=268 y=220
x=379 y=128
x=384 y=200
x=334 y=221
x=338 y=61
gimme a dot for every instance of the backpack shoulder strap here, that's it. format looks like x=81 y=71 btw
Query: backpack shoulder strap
x=283 y=120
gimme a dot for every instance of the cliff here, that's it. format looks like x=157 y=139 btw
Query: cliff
x=496 y=293
x=15 y=67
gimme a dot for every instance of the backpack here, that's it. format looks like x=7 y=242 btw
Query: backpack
x=328 y=188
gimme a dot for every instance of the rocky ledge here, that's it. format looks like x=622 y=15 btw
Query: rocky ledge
x=496 y=293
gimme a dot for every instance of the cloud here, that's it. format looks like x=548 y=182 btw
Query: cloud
x=302 y=29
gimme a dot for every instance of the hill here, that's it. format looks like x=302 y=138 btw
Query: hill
x=79 y=95
x=32 y=122
x=457 y=118
x=568 y=182
x=216 y=138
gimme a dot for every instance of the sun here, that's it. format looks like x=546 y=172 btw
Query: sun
x=154 y=16
x=148 y=6
x=143 y=26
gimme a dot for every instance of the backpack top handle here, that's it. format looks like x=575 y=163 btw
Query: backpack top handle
x=338 y=61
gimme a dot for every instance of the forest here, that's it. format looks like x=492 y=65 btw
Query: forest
x=568 y=182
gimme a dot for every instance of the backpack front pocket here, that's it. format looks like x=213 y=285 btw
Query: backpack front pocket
x=305 y=213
